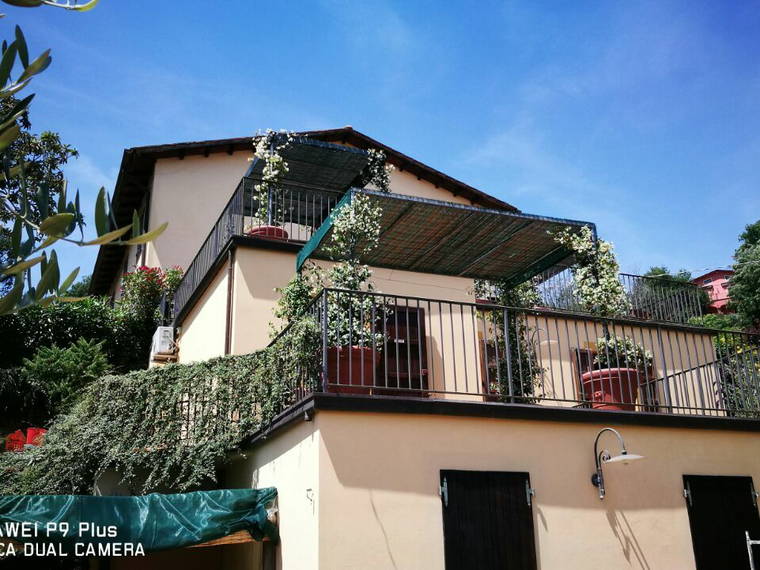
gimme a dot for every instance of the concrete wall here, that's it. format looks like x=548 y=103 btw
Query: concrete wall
x=379 y=474
x=287 y=461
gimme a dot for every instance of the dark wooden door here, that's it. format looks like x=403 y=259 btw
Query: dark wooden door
x=404 y=356
x=487 y=520
x=721 y=510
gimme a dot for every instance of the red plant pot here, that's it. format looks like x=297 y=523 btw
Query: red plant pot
x=15 y=441
x=268 y=232
x=612 y=388
x=350 y=369
x=35 y=436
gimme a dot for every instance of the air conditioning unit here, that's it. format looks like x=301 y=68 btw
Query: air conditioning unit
x=163 y=341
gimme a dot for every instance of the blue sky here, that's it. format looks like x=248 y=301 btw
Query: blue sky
x=641 y=117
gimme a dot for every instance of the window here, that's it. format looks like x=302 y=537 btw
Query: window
x=707 y=281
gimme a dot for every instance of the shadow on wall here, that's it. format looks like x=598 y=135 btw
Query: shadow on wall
x=623 y=531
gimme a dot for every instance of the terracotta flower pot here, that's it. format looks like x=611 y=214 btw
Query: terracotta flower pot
x=350 y=369
x=268 y=232
x=612 y=388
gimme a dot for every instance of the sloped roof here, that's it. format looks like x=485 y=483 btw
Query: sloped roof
x=136 y=171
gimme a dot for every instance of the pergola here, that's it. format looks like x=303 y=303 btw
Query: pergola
x=431 y=236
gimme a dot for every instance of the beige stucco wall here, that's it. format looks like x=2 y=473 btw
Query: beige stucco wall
x=202 y=335
x=190 y=194
x=454 y=334
x=258 y=272
x=404 y=183
x=379 y=474
x=289 y=462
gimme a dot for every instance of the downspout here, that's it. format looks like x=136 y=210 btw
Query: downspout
x=230 y=294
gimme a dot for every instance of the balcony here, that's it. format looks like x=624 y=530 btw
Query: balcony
x=396 y=346
x=649 y=298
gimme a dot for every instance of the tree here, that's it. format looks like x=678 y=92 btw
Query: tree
x=81 y=288
x=42 y=157
x=30 y=238
x=745 y=282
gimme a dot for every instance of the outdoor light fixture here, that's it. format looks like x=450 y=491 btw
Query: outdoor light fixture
x=597 y=479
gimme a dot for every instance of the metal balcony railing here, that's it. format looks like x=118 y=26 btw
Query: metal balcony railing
x=650 y=298
x=390 y=345
x=297 y=211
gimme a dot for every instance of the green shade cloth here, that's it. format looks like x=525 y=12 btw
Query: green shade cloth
x=430 y=236
x=156 y=521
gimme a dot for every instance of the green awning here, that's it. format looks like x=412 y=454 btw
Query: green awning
x=431 y=236
x=155 y=521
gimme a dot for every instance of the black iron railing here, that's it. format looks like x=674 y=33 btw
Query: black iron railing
x=293 y=214
x=391 y=345
x=650 y=298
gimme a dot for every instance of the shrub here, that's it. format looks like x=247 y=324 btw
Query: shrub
x=22 y=402
x=622 y=352
x=63 y=372
x=61 y=324
x=169 y=426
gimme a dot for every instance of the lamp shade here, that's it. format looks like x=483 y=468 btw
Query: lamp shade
x=623 y=458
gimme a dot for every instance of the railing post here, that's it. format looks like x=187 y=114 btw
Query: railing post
x=323 y=381
x=665 y=377
x=508 y=352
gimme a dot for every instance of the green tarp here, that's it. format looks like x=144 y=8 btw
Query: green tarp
x=156 y=521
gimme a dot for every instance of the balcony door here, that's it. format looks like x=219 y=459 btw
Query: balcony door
x=487 y=520
x=721 y=510
x=402 y=369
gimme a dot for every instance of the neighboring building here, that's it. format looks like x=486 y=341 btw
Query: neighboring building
x=464 y=434
x=716 y=283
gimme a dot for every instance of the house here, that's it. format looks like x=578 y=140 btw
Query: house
x=716 y=283
x=439 y=428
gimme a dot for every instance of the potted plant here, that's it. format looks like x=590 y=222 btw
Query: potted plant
x=597 y=286
x=267 y=193
x=353 y=343
x=622 y=366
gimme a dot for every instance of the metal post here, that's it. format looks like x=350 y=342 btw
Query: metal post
x=323 y=383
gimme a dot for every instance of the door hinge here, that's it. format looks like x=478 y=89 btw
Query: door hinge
x=754 y=495
x=443 y=491
x=529 y=493
x=687 y=494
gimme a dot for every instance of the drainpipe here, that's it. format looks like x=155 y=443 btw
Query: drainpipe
x=230 y=293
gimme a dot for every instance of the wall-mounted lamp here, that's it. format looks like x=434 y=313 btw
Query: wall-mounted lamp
x=597 y=479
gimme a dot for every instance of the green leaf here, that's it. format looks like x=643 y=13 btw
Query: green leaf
x=16 y=238
x=37 y=66
x=49 y=280
x=8 y=136
x=101 y=213
x=43 y=199
x=22 y=266
x=135 y=224
x=50 y=240
x=24 y=3
x=9 y=301
x=147 y=237
x=6 y=64
x=62 y=196
x=13 y=89
x=56 y=224
x=68 y=281
x=23 y=52
x=86 y=7
x=109 y=236
x=18 y=110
